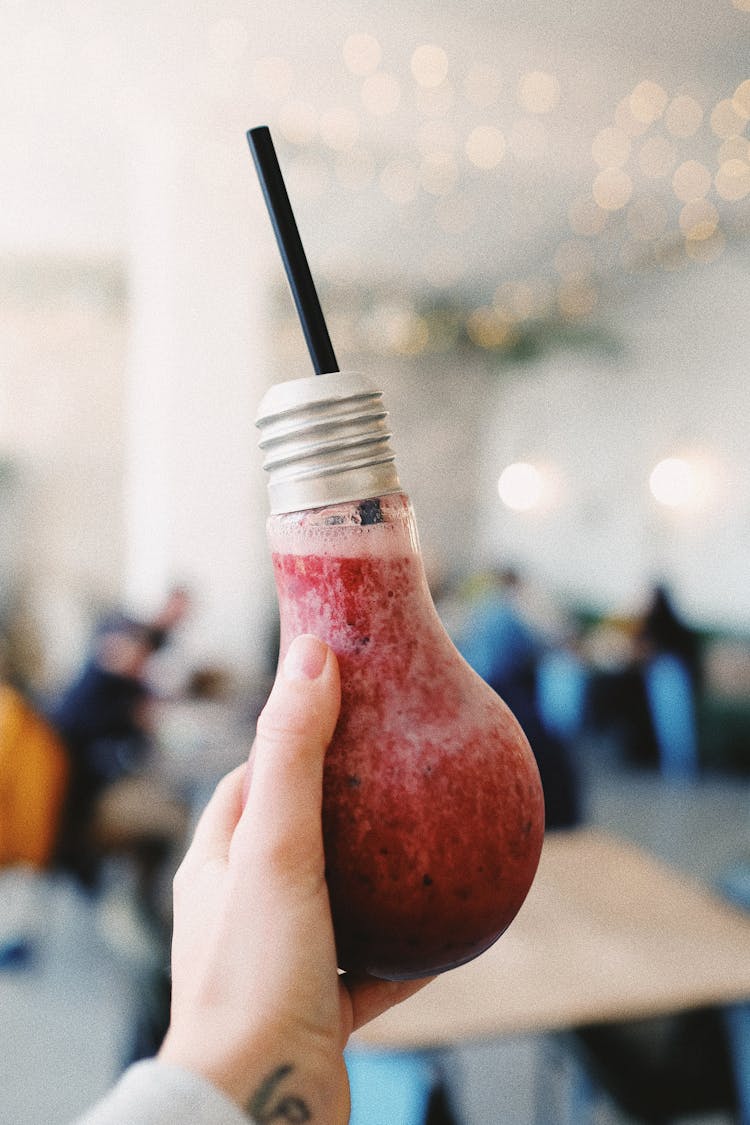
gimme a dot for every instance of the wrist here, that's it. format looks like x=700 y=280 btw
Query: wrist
x=270 y=1085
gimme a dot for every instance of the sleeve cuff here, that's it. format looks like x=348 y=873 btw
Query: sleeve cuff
x=157 y=1093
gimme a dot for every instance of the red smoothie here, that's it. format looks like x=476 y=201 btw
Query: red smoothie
x=432 y=812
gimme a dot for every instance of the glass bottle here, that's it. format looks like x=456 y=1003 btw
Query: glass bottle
x=432 y=805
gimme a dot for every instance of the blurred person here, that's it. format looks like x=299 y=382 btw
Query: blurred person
x=103 y=718
x=664 y=632
x=502 y=644
x=670 y=659
x=33 y=783
x=260 y=1015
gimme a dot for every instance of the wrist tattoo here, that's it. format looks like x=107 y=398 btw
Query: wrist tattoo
x=267 y=1104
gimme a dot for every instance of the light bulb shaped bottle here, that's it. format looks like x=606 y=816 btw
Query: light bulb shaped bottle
x=433 y=813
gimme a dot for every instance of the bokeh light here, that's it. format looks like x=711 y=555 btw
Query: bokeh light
x=429 y=65
x=673 y=482
x=487 y=328
x=741 y=100
x=725 y=120
x=538 y=92
x=485 y=146
x=362 y=53
x=691 y=180
x=698 y=220
x=612 y=189
x=683 y=482
x=339 y=128
x=706 y=250
x=611 y=147
x=648 y=101
x=297 y=122
x=625 y=120
x=521 y=486
x=734 y=148
x=732 y=181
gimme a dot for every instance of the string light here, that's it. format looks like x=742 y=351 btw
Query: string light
x=429 y=65
x=625 y=120
x=612 y=189
x=538 y=92
x=297 y=122
x=706 y=250
x=725 y=120
x=691 y=180
x=488 y=329
x=648 y=101
x=339 y=128
x=698 y=220
x=362 y=53
x=732 y=180
x=741 y=100
x=485 y=146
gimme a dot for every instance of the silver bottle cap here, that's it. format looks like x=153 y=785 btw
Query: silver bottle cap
x=325 y=441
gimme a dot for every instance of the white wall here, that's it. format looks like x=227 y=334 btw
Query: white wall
x=680 y=387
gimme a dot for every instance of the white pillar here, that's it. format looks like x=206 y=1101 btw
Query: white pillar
x=195 y=501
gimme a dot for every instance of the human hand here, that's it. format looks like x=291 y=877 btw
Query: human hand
x=258 y=1006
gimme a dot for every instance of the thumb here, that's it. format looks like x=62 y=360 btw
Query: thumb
x=280 y=825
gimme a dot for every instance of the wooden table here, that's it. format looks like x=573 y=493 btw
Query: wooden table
x=607 y=933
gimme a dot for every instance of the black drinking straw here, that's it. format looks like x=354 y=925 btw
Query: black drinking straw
x=292 y=252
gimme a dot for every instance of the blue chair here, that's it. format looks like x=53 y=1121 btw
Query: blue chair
x=390 y=1087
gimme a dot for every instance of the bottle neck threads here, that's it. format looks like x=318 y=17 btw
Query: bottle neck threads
x=325 y=441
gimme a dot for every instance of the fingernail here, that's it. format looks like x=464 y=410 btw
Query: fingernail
x=305 y=658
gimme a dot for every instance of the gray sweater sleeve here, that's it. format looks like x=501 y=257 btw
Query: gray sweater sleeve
x=156 y=1093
